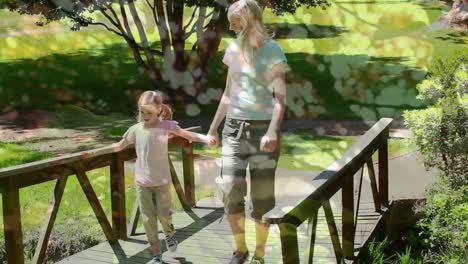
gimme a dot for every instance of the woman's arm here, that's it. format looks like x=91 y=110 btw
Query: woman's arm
x=270 y=140
x=221 y=112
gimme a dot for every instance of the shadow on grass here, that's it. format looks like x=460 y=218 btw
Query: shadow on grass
x=458 y=37
x=107 y=80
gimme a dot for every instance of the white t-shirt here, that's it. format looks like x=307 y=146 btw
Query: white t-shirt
x=252 y=85
x=152 y=164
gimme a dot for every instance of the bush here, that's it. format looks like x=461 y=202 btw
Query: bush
x=66 y=239
x=440 y=133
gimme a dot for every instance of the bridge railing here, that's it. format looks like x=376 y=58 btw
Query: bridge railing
x=290 y=213
x=59 y=169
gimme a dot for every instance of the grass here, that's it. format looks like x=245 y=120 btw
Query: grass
x=302 y=151
x=353 y=60
x=13 y=154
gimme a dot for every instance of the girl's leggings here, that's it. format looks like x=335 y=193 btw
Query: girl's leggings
x=155 y=202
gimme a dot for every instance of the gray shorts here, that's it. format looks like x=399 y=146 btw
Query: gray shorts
x=241 y=147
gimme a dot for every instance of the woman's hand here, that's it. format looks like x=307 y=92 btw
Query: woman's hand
x=213 y=139
x=269 y=142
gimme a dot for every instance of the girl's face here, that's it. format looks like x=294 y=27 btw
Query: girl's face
x=150 y=114
x=235 y=24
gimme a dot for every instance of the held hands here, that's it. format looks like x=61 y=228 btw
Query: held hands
x=269 y=142
x=213 y=139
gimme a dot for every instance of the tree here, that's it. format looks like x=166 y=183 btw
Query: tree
x=182 y=70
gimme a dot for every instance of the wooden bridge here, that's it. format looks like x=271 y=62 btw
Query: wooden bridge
x=330 y=219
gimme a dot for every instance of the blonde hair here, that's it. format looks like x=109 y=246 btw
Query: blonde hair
x=253 y=31
x=154 y=98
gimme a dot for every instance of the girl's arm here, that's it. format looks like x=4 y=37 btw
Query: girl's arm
x=191 y=136
x=123 y=143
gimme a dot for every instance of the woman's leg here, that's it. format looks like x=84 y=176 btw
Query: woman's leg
x=233 y=173
x=262 y=167
x=148 y=214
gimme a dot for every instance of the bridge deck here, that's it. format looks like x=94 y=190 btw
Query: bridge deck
x=204 y=237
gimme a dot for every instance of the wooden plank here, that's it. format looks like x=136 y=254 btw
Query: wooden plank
x=289 y=243
x=94 y=202
x=119 y=219
x=312 y=229
x=189 y=173
x=12 y=225
x=329 y=181
x=373 y=183
x=46 y=229
x=333 y=231
x=347 y=215
x=178 y=187
x=383 y=170
x=132 y=226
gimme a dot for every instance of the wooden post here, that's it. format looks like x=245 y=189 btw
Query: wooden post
x=289 y=243
x=347 y=197
x=189 y=175
x=117 y=188
x=383 y=169
x=12 y=225
x=46 y=230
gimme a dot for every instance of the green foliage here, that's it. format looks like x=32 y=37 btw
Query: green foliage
x=445 y=229
x=440 y=131
x=13 y=154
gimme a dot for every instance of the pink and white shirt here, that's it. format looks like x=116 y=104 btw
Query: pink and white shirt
x=152 y=164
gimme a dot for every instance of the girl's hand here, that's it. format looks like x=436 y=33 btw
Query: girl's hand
x=269 y=142
x=213 y=139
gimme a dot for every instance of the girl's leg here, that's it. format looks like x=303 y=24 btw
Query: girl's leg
x=148 y=215
x=163 y=205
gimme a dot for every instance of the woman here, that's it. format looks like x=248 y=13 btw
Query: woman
x=253 y=102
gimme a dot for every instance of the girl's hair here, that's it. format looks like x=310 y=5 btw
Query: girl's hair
x=154 y=98
x=253 y=31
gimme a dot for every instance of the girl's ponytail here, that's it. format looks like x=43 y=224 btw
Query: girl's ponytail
x=166 y=112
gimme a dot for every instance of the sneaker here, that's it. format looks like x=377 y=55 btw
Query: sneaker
x=239 y=257
x=171 y=243
x=157 y=259
x=257 y=260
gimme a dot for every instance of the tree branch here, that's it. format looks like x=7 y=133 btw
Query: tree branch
x=191 y=18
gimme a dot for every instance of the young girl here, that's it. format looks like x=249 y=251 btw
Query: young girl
x=152 y=174
x=253 y=103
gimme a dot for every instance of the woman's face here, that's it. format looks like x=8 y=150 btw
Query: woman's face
x=235 y=24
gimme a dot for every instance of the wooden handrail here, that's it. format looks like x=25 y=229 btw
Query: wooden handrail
x=292 y=212
x=59 y=169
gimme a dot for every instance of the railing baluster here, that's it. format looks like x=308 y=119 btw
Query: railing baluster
x=12 y=225
x=312 y=230
x=189 y=175
x=46 y=230
x=347 y=197
x=373 y=183
x=132 y=226
x=383 y=169
x=94 y=202
x=117 y=174
x=333 y=231
x=178 y=187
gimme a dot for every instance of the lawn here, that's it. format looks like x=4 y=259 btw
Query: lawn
x=353 y=60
